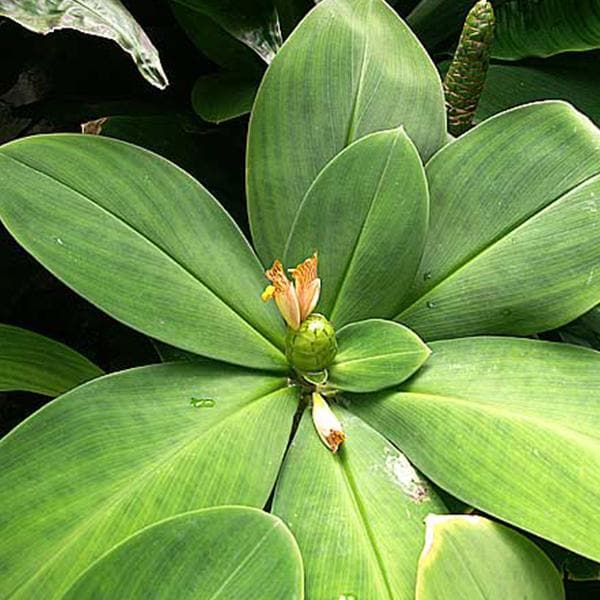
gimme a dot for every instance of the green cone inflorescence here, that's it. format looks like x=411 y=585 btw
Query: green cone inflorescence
x=312 y=347
x=465 y=78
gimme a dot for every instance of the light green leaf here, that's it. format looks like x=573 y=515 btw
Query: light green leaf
x=231 y=552
x=357 y=515
x=102 y=215
x=105 y=18
x=367 y=261
x=375 y=354
x=507 y=86
x=127 y=450
x=473 y=557
x=508 y=426
x=514 y=241
x=223 y=96
x=33 y=363
x=350 y=68
x=252 y=22
x=533 y=28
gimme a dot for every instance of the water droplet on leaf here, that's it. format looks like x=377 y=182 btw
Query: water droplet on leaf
x=431 y=304
x=202 y=402
x=427 y=276
x=347 y=597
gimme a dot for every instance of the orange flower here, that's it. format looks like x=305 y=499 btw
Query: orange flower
x=295 y=301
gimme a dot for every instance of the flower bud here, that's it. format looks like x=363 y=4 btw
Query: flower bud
x=312 y=347
x=326 y=423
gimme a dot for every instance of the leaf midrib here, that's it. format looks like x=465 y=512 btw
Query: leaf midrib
x=150 y=242
x=343 y=363
x=364 y=521
x=123 y=492
x=502 y=236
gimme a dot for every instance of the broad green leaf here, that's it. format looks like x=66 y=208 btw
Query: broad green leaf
x=514 y=240
x=509 y=426
x=375 y=354
x=127 y=450
x=473 y=557
x=533 y=28
x=213 y=41
x=357 y=515
x=507 y=86
x=142 y=240
x=33 y=363
x=230 y=552
x=105 y=18
x=366 y=214
x=252 y=22
x=350 y=68
x=223 y=96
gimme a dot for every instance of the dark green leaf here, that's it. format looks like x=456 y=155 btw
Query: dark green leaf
x=34 y=363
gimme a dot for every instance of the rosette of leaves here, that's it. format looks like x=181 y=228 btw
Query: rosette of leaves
x=494 y=239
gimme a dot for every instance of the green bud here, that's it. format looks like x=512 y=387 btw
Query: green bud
x=313 y=346
x=464 y=81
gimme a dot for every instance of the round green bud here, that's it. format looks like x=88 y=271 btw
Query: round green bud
x=313 y=346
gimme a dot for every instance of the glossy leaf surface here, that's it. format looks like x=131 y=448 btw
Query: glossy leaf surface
x=105 y=18
x=366 y=215
x=532 y=28
x=357 y=515
x=142 y=240
x=375 y=354
x=350 y=68
x=252 y=22
x=34 y=363
x=473 y=557
x=509 y=426
x=524 y=180
x=232 y=552
x=127 y=450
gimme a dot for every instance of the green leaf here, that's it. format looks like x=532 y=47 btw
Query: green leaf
x=508 y=426
x=575 y=81
x=357 y=515
x=168 y=353
x=473 y=557
x=377 y=186
x=375 y=354
x=105 y=18
x=436 y=20
x=33 y=363
x=232 y=552
x=223 y=96
x=213 y=41
x=350 y=68
x=524 y=180
x=252 y=22
x=533 y=28
x=127 y=450
x=142 y=240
